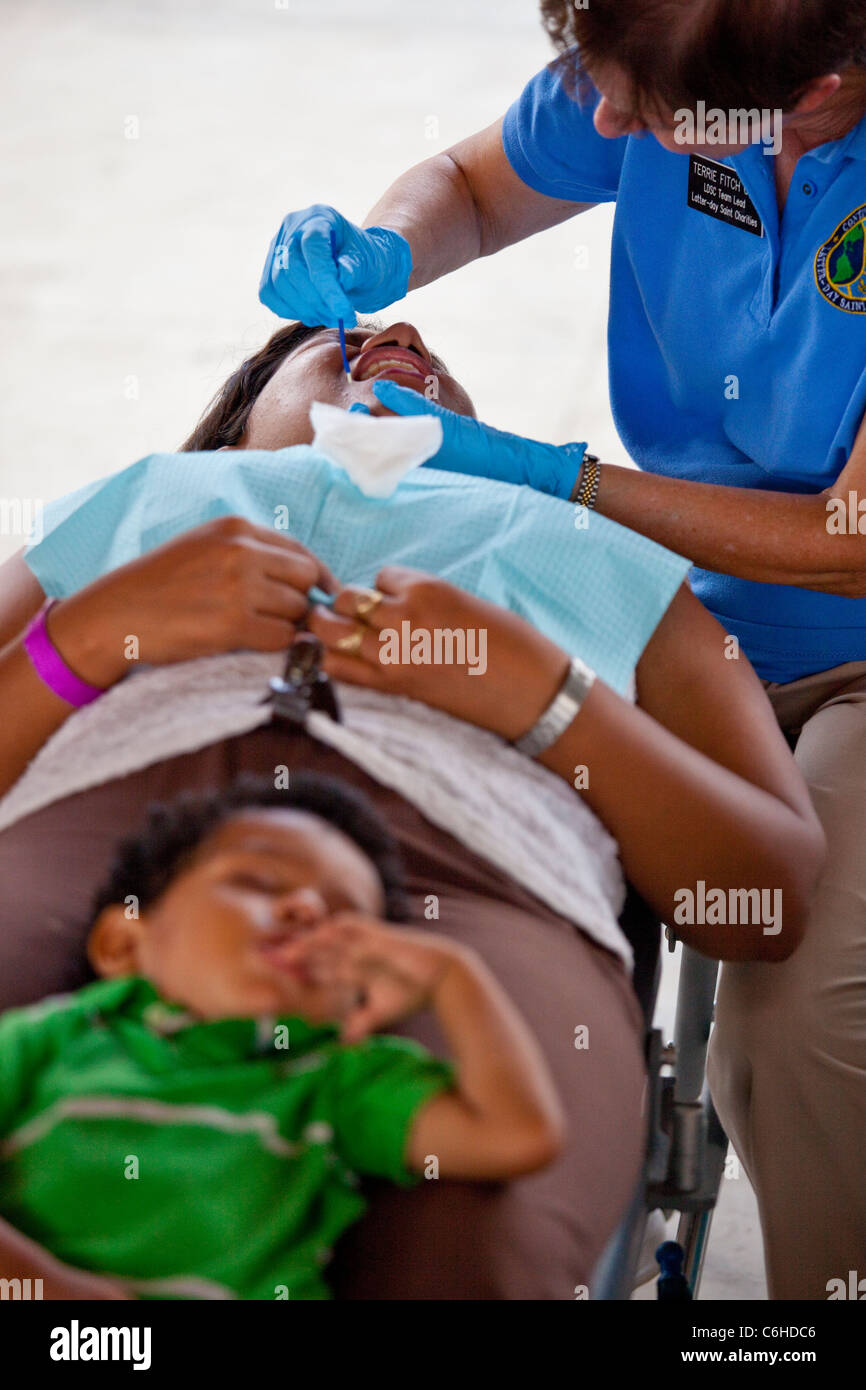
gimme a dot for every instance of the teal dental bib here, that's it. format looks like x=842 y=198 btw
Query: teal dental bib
x=595 y=588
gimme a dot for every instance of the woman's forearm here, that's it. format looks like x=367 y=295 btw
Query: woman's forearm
x=770 y=537
x=33 y=712
x=227 y=585
x=464 y=203
x=680 y=818
x=431 y=205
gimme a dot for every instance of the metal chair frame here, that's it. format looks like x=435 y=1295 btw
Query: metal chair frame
x=686 y=1147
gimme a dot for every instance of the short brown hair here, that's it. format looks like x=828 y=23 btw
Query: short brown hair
x=727 y=53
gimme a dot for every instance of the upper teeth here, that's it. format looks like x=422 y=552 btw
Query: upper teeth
x=377 y=367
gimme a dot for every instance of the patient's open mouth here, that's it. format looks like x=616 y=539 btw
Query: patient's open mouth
x=390 y=361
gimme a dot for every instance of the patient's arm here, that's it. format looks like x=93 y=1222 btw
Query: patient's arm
x=696 y=782
x=31 y=713
x=224 y=586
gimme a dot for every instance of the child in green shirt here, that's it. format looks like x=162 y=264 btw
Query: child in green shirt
x=195 y=1124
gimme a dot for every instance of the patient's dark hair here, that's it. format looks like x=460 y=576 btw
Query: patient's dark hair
x=727 y=53
x=226 y=417
x=146 y=863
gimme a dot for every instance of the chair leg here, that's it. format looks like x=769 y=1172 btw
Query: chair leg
x=693 y=1234
x=686 y=1145
x=613 y=1277
x=699 y=1145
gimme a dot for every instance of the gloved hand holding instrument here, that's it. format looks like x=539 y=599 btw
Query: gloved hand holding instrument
x=322 y=269
x=468 y=446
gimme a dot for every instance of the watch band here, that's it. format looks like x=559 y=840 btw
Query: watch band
x=590 y=477
x=561 y=711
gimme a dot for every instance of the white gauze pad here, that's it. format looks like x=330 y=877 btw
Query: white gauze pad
x=375 y=450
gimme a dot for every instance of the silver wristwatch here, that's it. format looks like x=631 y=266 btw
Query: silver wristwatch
x=560 y=712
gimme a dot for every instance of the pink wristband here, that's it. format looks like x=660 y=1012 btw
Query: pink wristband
x=50 y=666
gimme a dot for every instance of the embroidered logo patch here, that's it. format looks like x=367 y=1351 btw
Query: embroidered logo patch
x=840 y=265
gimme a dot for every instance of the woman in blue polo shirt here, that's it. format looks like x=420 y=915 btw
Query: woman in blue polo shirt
x=737 y=345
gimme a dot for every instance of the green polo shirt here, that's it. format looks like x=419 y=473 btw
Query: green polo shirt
x=197 y=1160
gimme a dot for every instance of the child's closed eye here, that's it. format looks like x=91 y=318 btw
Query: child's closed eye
x=257 y=883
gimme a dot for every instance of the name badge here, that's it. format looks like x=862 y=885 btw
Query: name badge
x=715 y=189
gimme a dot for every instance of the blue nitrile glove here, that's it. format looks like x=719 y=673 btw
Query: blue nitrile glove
x=321 y=268
x=470 y=447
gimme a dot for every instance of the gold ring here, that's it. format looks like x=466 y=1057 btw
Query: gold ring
x=370 y=601
x=351 y=643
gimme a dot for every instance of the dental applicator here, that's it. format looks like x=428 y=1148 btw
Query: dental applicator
x=342 y=329
x=317 y=595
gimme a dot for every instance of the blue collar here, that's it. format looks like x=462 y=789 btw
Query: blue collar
x=752 y=160
x=851 y=146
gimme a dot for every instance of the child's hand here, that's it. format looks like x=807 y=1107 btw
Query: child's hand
x=502 y=1118
x=22 y=1257
x=383 y=973
x=65 y=1283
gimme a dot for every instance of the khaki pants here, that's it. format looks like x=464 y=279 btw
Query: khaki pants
x=787 y=1063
